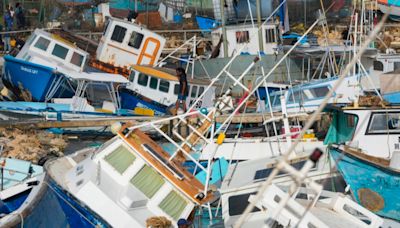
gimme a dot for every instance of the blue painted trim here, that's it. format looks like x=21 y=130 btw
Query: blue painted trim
x=360 y=174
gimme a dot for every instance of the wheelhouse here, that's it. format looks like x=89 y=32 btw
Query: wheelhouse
x=163 y=86
x=125 y=44
x=53 y=51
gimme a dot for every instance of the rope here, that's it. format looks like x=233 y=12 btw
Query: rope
x=158 y=222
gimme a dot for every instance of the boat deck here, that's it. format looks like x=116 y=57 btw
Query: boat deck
x=61 y=166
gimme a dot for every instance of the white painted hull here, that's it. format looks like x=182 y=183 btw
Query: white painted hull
x=252 y=149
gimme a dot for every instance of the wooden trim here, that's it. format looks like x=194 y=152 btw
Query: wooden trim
x=144 y=49
x=115 y=46
x=382 y=162
x=189 y=186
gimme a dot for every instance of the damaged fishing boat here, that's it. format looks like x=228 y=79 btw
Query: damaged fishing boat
x=365 y=146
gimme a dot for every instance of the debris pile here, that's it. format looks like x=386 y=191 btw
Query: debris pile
x=173 y=42
x=334 y=37
x=390 y=39
x=371 y=101
x=30 y=145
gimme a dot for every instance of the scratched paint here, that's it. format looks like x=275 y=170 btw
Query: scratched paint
x=361 y=175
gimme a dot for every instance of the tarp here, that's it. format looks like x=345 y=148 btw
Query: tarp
x=342 y=127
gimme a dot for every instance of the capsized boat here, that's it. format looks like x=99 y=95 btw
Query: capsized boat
x=92 y=95
x=135 y=178
x=35 y=74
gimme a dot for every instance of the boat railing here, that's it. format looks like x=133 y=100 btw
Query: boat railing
x=12 y=172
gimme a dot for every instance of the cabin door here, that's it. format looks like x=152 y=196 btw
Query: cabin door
x=149 y=52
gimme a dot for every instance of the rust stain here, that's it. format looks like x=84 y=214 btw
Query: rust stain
x=106 y=67
x=370 y=199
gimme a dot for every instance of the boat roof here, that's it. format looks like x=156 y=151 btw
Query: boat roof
x=58 y=38
x=166 y=73
x=94 y=76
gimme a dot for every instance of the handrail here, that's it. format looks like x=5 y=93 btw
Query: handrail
x=2 y=169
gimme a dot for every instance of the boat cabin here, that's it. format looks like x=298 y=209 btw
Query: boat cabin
x=239 y=36
x=163 y=85
x=375 y=131
x=308 y=96
x=125 y=44
x=53 y=51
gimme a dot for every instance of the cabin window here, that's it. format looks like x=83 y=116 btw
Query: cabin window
x=42 y=43
x=77 y=59
x=147 y=181
x=378 y=65
x=384 y=123
x=60 y=51
x=164 y=86
x=238 y=203
x=173 y=205
x=351 y=120
x=262 y=174
x=143 y=79
x=242 y=37
x=201 y=90
x=153 y=83
x=120 y=159
x=275 y=100
x=132 y=76
x=176 y=89
x=194 y=91
x=136 y=40
x=270 y=35
x=295 y=97
x=118 y=34
x=319 y=92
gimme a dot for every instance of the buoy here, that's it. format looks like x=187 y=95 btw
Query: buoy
x=204 y=111
x=220 y=138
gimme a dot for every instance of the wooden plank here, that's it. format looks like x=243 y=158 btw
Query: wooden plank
x=255 y=117
x=43 y=124
x=382 y=162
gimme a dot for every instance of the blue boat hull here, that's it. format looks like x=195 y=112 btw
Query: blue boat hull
x=56 y=209
x=392 y=98
x=23 y=76
x=13 y=203
x=376 y=188
x=130 y=101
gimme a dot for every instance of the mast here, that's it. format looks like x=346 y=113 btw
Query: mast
x=224 y=40
x=260 y=37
